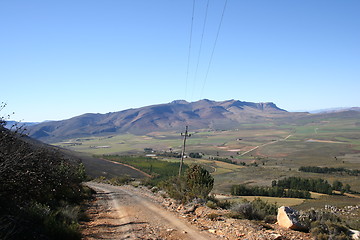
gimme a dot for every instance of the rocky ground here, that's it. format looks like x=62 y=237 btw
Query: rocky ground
x=120 y=213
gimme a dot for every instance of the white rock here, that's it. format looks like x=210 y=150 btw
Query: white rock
x=212 y=231
x=288 y=218
x=355 y=234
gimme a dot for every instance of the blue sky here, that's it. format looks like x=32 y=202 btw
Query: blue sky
x=60 y=59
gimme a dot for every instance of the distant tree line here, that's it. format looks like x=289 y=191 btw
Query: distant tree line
x=195 y=155
x=227 y=160
x=315 y=185
x=312 y=169
x=243 y=190
x=170 y=154
x=291 y=187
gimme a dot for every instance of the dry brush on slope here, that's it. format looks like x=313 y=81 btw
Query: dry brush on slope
x=39 y=190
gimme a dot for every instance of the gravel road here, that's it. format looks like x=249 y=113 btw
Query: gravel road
x=122 y=213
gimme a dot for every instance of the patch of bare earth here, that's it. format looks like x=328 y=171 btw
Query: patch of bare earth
x=125 y=212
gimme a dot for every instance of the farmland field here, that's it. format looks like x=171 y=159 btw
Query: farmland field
x=269 y=151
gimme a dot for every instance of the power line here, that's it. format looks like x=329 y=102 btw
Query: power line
x=212 y=53
x=201 y=43
x=188 y=62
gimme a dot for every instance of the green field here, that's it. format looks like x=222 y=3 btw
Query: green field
x=271 y=150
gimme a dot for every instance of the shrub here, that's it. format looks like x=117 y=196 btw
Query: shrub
x=225 y=204
x=324 y=224
x=244 y=210
x=215 y=203
x=270 y=219
x=308 y=217
x=175 y=187
x=197 y=183
x=213 y=216
x=195 y=155
x=211 y=204
x=257 y=209
x=118 y=181
x=329 y=230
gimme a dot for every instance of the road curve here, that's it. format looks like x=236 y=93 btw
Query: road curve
x=131 y=215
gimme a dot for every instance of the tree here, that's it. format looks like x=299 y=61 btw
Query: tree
x=199 y=181
x=195 y=155
x=347 y=188
x=337 y=185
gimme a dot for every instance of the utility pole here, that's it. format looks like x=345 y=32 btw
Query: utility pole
x=183 y=148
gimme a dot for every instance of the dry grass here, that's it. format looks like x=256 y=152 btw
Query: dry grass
x=272 y=200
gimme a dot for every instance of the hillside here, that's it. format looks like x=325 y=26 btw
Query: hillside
x=171 y=116
x=37 y=184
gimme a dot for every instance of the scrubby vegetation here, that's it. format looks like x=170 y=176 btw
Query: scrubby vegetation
x=244 y=190
x=40 y=190
x=325 y=224
x=196 y=183
x=255 y=210
x=329 y=170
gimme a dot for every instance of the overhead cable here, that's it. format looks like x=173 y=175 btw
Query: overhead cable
x=213 y=49
x=201 y=43
x=188 y=62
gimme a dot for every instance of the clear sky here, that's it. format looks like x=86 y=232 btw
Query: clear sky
x=60 y=59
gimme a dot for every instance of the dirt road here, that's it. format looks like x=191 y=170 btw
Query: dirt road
x=123 y=213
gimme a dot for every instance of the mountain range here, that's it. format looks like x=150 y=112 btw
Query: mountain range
x=202 y=114
x=173 y=116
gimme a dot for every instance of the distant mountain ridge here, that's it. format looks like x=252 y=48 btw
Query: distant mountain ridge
x=170 y=116
x=339 y=109
x=12 y=124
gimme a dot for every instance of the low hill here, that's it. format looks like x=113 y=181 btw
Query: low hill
x=171 y=116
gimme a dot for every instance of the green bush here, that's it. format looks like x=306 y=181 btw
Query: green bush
x=118 y=181
x=213 y=216
x=324 y=224
x=175 y=187
x=255 y=210
x=195 y=155
x=215 y=203
x=308 y=217
x=211 y=204
x=243 y=210
x=329 y=230
x=197 y=183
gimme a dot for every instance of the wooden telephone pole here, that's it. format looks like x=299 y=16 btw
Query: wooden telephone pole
x=183 y=148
